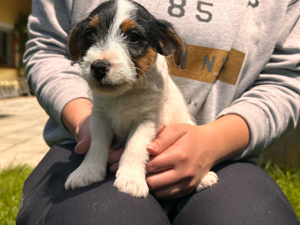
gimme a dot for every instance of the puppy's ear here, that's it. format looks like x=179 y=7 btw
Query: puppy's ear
x=75 y=50
x=171 y=44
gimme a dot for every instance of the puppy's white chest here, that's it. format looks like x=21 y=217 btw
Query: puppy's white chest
x=127 y=111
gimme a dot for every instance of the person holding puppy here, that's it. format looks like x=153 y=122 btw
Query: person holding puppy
x=242 y=85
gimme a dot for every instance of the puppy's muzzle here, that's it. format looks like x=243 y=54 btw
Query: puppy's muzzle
x=100 y=68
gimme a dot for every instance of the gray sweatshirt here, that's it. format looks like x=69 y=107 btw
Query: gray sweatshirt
x=243 y=59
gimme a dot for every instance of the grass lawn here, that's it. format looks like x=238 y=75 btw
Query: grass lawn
x=11 y=184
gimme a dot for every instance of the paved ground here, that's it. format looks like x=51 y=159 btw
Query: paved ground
x=21 y=131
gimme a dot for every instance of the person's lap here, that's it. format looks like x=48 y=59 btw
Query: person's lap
x=244 y=194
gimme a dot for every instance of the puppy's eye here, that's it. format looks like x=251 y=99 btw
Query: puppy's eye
x=134 y=37
x=89 y=39
x=89 y=36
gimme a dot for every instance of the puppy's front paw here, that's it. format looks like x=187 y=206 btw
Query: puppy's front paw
x=84 y=176
x=208 y=180
x=132 y=184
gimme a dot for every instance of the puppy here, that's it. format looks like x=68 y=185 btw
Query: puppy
x=121 y=49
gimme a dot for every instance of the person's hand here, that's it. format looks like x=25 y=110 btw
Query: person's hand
x=83 y=139
x=113 y=159
x=182 y=154
x=76 y=117
x=168 y=174
x=180 y=157
x=83 y=135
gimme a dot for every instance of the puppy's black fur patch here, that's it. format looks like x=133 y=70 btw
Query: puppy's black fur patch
x=147 y=32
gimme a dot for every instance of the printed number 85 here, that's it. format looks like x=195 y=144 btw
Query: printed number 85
x=177 y=10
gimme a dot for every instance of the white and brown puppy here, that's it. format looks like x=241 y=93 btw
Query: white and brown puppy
x=121 y=48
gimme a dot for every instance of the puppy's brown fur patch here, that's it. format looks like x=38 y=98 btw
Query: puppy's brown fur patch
x=127 y=25
x=145 y=62
x=95 y=22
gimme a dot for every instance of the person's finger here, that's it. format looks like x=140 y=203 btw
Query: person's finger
x=161 y=162
x=168 y=184
x=114 y=156
x=114 y=168
x=161 y=180
x=83 y=145
x=168 y=136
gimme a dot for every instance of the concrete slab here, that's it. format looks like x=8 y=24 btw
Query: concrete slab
x=22 y=121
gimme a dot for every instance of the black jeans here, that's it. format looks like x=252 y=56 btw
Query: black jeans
x=244 y=194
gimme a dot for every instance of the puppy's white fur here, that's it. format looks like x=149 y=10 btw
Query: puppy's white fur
x=131 y=108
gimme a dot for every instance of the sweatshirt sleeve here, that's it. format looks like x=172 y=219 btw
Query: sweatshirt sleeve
x=50 y=74
x=271 y=106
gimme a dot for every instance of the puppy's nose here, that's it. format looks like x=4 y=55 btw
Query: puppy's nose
x=100 y=68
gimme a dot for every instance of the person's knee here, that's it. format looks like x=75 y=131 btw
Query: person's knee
x=244 y=194
x=104 y=204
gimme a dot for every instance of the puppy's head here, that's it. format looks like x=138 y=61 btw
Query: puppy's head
x=117 y=44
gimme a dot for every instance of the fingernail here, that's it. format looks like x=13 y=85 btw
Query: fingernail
x=152 y=146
